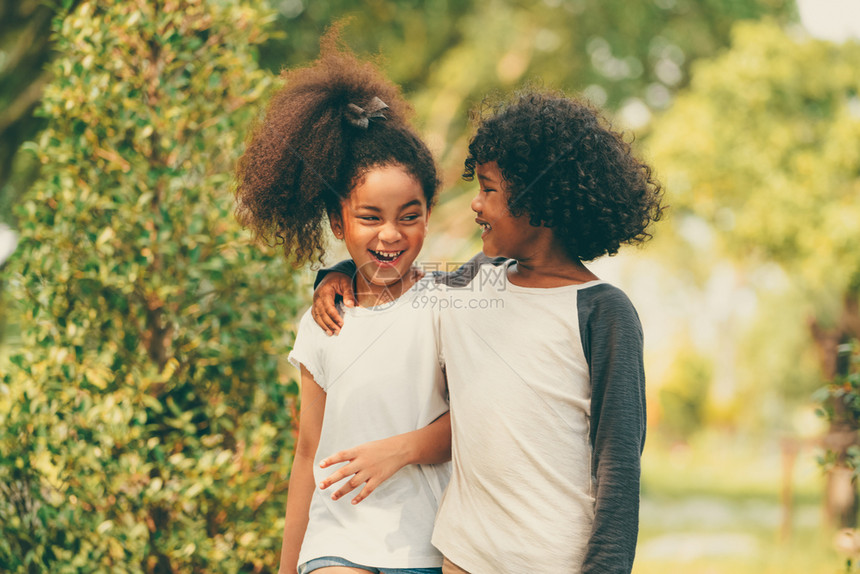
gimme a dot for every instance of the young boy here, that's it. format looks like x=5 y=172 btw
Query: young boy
x=543 y=360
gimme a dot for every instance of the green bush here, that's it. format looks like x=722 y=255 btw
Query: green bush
x=145 y=417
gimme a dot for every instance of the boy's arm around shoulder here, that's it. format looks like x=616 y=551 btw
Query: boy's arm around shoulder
x=331 y=282
x=347 y=267
x=613 y=344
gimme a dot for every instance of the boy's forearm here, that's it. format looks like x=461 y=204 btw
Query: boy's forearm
x=347 y=267
x=618 y=447
x=612 y=545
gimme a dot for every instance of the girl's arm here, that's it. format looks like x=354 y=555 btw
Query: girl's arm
x=301 y=485
x=373 y=463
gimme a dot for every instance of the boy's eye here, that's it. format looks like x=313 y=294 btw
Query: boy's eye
x=368 y=217
x=410 y=217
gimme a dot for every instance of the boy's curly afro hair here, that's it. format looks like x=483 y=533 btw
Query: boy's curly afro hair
x=307 y=153
x=565 y=168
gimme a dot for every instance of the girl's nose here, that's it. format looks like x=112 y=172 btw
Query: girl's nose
x=389 y=234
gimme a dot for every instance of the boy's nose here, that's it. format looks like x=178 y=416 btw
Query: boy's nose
x=476 y=204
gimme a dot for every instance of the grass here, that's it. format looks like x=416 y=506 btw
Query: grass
x=714 y=506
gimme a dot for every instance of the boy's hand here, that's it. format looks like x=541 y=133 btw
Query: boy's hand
x=335 y=283
x=324 y=310
x=371 y=464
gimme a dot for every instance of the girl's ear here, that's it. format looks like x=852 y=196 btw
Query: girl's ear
x=336 y=224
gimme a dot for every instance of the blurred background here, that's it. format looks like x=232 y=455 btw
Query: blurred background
x=147 y=413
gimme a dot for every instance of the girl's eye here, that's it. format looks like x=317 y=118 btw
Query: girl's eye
x=368 y=217
x=411 y=217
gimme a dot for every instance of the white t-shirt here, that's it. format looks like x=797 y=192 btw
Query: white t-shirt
x=381 y=377
x=520 y=499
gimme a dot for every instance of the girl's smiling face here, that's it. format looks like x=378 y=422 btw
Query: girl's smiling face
x=383 y=222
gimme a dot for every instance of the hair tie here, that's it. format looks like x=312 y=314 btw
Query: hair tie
x=360 y=117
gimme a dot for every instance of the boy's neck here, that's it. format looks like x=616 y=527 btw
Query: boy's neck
x=372 y=295
x=551 y=267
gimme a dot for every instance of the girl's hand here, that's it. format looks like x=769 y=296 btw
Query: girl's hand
x=371 y=464
x=324 y=310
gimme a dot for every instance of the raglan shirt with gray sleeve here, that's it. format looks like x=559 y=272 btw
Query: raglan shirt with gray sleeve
x=612 y=342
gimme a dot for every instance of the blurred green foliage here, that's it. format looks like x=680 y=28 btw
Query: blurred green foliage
x=145 y=417
x=762 y=147
x=146 y=422
x=844 y=388
x=761 y=150
x=839 y=402
x=25 y=49
x=684 y=394
x=449 y=55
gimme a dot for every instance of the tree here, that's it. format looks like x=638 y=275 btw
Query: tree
x=762 y=147
x=25 y=29
x=145 y=424
x=449 y=55
x=25 y=49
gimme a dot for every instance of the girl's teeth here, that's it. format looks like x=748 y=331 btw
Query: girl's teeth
x=387 y=255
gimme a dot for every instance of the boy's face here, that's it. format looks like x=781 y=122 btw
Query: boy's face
x=503 y=235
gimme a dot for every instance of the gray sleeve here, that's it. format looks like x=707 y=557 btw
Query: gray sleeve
x=464 y=274
x=613 y=344
x=460 y=277
x=347 y=267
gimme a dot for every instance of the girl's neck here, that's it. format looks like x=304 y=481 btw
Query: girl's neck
x=546 y=268
x=371 y=295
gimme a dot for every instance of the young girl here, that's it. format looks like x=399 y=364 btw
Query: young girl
x=547 y=385
x=335 y=147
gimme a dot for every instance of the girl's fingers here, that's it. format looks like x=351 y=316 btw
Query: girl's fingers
x=342 y=456
x=334 y=478
x=365 y=492
x=350 y=485
x=339 y=474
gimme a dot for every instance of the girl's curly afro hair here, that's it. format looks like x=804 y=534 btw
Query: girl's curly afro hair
x=565 y=168
x=308 y=152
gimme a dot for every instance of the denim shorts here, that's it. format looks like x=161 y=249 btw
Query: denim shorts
x=318 y=563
